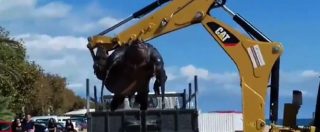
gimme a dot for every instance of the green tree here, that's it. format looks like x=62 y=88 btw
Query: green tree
x=28 y=86
x=53 y=97
x=5 y=114
x=17 y=75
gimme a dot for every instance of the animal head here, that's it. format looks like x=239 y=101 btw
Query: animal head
x=101 y=53
x=100 y=62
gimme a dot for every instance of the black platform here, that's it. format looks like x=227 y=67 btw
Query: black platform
x=171 y=120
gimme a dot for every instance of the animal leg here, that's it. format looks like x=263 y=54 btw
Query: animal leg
x=156 y=87
x=116 y=101
x=161 y=79
x=137 y=98
x=130 y=100
x=143 y=100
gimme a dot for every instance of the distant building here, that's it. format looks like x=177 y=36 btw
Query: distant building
x=80 y=112
x=220 y=121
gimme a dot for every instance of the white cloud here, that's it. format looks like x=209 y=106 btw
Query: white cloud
x=63 y=55
x=179 y=77
x=95 y=9
x=225 y=78
x=299 y=76
x=304 y=80
x=99 y=25
x=190 y=71
x=108 y=21
x=83 y=27
x=10 y=4
x=28 y=9
x=171 y=76
x=70 y=60
x=49 y=43
x=310 y=74
x=57 y=17
x=75 y=85
x=52 y=10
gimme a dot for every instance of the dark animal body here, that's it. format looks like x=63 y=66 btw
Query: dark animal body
x=128 y=70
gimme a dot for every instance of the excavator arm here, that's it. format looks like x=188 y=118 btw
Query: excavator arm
x=254 y=59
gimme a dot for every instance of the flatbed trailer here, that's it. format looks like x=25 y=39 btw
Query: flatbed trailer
x=180 y=113
x=171 y=120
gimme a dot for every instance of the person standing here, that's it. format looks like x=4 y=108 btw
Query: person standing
x=16 y=125
x=69 y=126
x=52 y=126
x=29 y=125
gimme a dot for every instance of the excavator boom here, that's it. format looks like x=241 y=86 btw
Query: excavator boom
x=253 y=58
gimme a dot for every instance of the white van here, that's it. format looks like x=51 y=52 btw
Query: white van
x=43 y=118
x=62 y=119
x=58 y=119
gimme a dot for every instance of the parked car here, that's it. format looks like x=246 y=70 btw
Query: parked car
x=5 y=126
x=58 y=119
x=40 y=126
x=43 y=126
x=60 y=127
x=79 y=123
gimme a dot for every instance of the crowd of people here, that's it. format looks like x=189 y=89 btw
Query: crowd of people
x=27 y=125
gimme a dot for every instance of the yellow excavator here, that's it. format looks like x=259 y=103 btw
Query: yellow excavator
x=257 y=58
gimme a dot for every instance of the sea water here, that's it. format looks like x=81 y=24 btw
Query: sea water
x=300 y=122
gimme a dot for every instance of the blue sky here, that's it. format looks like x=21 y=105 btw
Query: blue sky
x=55 y=32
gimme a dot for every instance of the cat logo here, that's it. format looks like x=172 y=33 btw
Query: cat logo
x=227 y=38
x=222 y=34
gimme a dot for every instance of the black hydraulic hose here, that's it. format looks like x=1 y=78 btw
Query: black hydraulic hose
x=250 y=28
x=115 y=26
x=137 y=14
x=87 y=95
x=190 y=93
x=316 y=121
x=101 y=92
x=274 y=92
x=148 y=8
x=195 y=91
x=95 y=95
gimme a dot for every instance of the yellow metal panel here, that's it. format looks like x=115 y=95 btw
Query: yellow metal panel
x=176 y=15
x=254 y=79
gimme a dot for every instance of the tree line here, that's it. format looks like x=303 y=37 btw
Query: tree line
x=26 y=87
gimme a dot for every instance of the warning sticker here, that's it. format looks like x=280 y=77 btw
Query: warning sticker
x=256 y=56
